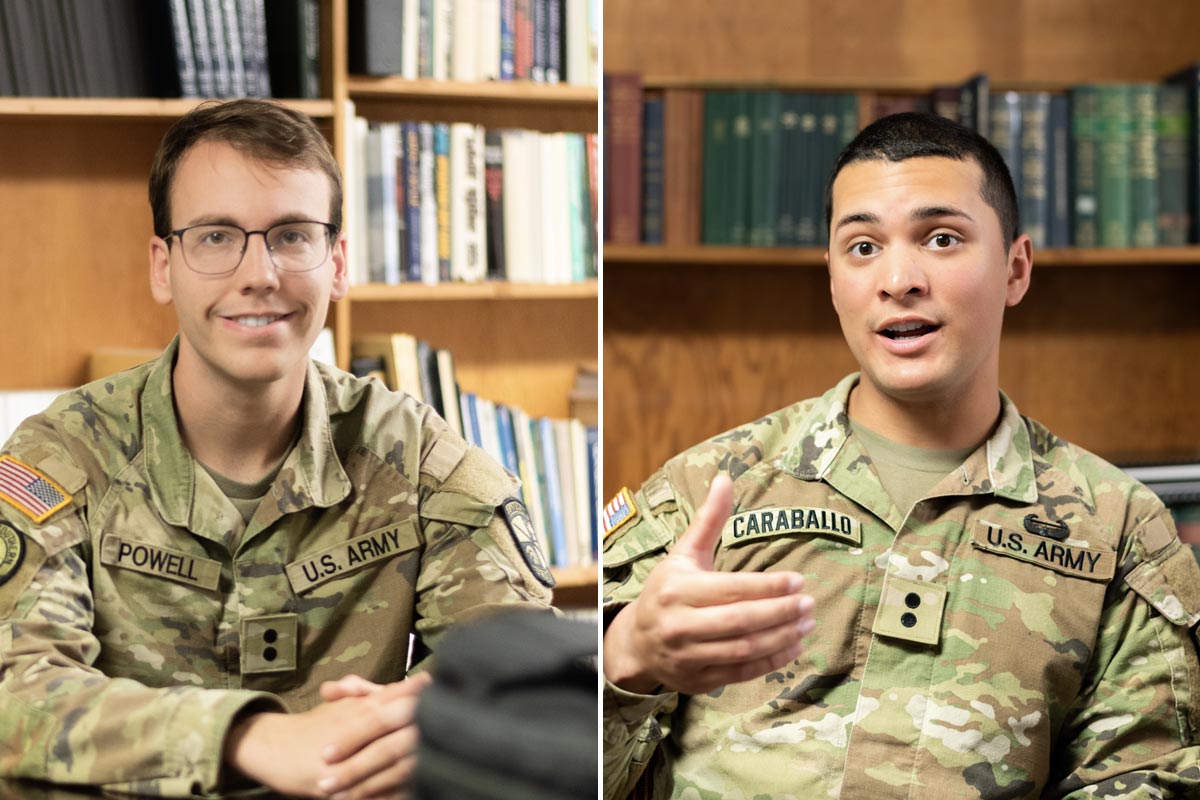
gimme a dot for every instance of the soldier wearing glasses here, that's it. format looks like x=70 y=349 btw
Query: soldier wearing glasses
x=200 y=557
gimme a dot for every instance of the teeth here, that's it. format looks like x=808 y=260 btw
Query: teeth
x=905 y=327
x=254 y=322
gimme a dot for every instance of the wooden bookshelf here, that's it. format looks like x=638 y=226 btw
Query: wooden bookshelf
x=698 y=339
x=497 y=290
x=575 y=586
x=126 y=108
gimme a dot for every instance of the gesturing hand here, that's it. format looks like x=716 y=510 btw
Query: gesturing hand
x=693 y=629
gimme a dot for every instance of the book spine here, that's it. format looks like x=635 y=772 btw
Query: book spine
x=375 y=205
x=522 y=39
x=1058 y=184
x=400 y=173
x=945 y=101
x=375 y=31
x=716 y=150
x=410 y=39
x=623 y=128
x=764 y=168
x=589 y=146
x=788 y=126
x=443 y=32
x=576 y=196
x=425 y=39
x=1143 y=188
x=554 y=40
x=412 y=198
x=493 y=154
x=200 y=47
x=487 y=41
x=554 y=493
x=803 y=163
x=742 y=129
x=233 y=40
x=185 y=55
x=1085 y=165
x=1034 y=199
x=683 y=145
x=1115 y=168
x=466 y=205
x=829 y=133
x=443 y=169
x=541 y=40
x=1174 y=124
x=652 y=170
x=430 y=270
x=508 y=41
x=216 y=41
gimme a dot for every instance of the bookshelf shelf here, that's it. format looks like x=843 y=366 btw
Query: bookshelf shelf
x=575 y=586
x=93 y=109
x=394 y=88
x=585 y=290
x=717 y=255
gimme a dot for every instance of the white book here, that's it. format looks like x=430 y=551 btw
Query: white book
x=464 y=61
x=527 y=463
x=443 y=35
x=390 y=222
x=555 y=209
x=489 y=40
x=517 y=250
x=356 y=198
x=428 y=205
x=410 y=39
x=576 y=34
x=566 y=484
x=583 y=510
x=375 y=206
x=468 y=204
x=489 y=434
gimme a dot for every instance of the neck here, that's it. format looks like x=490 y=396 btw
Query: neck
x=241 y=432
x=940 y=423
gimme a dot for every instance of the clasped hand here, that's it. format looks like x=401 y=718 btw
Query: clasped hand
x=693 y=629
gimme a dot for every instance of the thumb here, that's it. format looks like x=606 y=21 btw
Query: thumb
x=700 y=539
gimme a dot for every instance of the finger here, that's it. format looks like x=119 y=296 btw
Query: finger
x=722 y=588
x=746 y=649
x=393 y=782
x=380 y=717
x=347 y=686
x=700 y=539
x=732 y=620
x=355 y=775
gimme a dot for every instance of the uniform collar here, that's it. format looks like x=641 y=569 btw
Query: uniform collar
x=312 y=474
x=822 y=449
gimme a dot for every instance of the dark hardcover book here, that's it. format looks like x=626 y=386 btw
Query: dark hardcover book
x=79 y=63
x=248 y=13
x=32 y=61
x=85 y=23
x=593 y=459
x=374 y=30
x=201 y=48
x=1085 y=166
x=683 y=171
x=431 y=385
x=508 y=40
x=1004 y=123
x=764 y=168
x=401 y=203
x=222 y=76
x=8 y=74
x=787 y=192
x=493 y=175
x=742 y=128
x=1034 y=199
x=652 y=170
x=369 y=366
x=541 y=40
x=555 y=16
x=973 y=104
x=1115 y=194
x=1189 y=78
x=522 y=39
x=135 y=50
x=54 y=42
x=623 y=162
x=1058 y=184
x=806 y=201
x=412 y=198
x=1174 y=134
x=829 y=134
x=714 y=186
x=293 y=48
x=1143 y=165
x=233 y=44
x=945 y=101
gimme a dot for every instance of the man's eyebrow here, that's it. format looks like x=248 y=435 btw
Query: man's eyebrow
x=861 y=216
x=224 y=219
x=930 y=212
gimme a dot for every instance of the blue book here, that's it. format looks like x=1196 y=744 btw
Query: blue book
x=508 y=440
x=412 y=198
x=554 y=493
x=593 y=447
x=471 y=421
x=652 y=171
x=507 y=40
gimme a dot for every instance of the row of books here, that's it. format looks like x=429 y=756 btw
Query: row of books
x=453 y=202
x=554 y=458
x=545 y=41
x=160 y=48
x=1098 y=165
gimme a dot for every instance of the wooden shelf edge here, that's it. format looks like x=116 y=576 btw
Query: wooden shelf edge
x=719 y=255
x=426 y=89
x=127 y=108
x=497 y=290
x=577 y=577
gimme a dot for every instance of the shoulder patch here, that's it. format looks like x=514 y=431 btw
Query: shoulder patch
x=12 y=551
x=521 y=527
x=619 y=512
x=30 y=491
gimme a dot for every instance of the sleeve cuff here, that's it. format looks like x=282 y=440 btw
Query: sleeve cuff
x=633 y=709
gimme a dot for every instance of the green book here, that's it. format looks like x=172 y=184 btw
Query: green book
x=717 y=150
x=1174 y=130
x=1085 y=155
x=1115 y=121
x=1035 y=167
x=1143 y=190
x=741 y=127
x=829 y=144
x=764 y=168
x=806 y=225
x=789 y=155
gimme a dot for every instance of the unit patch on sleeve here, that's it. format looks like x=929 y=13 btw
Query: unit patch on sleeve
x=620 y=511
x=12 y=551
x=526 y=538
x=35 y=494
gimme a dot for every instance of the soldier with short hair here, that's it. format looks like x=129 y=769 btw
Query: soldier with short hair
x=195 y=547
x=919 y=592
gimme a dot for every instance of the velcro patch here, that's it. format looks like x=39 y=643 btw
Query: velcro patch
x=764 y=522
x=161 y=561
x=619 y=512
x=33 y=493
x=344 y=557
x=526 y=538
x=12 y=551
x=1082 y=562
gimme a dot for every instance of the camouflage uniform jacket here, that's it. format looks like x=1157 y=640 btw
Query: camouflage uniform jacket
x=1024 y=632
x=145 y=614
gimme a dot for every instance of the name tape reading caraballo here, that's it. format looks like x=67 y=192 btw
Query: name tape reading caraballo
x=763 y=522
x=327 y=564
x=1082 y=562
x=151 y=559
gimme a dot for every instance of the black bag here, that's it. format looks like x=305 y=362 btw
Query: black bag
x=512 y=712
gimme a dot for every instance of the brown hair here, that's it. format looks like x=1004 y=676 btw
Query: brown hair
x=259 y=129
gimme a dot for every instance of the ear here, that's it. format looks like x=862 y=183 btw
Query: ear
x=341 y=277
x=832 y=289
x=160 y=271
x=1020 y=265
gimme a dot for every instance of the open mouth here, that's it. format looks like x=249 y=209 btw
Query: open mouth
x=903 y=331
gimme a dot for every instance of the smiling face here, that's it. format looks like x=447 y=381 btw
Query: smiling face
x=920 y=276
x=255 y=325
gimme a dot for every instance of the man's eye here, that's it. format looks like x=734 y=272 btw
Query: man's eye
x=943 y=240
x=863 y=249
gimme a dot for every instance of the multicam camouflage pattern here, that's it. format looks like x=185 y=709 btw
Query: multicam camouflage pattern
x=956 y=654
x=147 y=614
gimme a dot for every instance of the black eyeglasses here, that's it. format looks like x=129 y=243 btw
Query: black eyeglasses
x=219 y=249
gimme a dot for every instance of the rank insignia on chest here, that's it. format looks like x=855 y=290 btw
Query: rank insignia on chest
x=34 y=494
x=619 y=512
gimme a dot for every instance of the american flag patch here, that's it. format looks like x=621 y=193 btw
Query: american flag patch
x=618 y=512
x=29 y=490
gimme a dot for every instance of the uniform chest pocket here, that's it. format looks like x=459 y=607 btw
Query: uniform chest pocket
x=313 y=569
